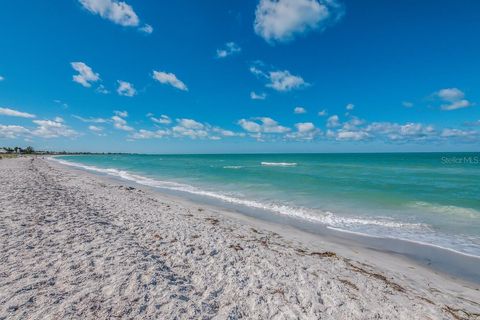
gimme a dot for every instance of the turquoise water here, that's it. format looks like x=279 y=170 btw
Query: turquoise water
x=431 y=198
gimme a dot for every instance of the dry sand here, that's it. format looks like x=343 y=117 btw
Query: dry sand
x=75 y=245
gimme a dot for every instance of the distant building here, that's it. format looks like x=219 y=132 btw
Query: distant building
x=2 y=151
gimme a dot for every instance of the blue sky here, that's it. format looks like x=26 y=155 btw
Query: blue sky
x=240 y=76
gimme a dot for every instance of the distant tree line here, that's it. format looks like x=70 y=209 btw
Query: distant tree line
x=27 y=150
x=30 y=150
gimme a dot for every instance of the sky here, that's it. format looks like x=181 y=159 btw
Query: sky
x=240 y=76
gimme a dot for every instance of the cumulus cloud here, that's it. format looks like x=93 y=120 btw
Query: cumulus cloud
x=170 y=79
x=452 y=98
x=257 y=96
x=190 y=128
x=148 y=134
x=333 y=121
x=118 y=12
x=262 y=125
x=282 y=20
x=305 y=127
x=323 y=113
x=95 y=128
x=148 y=29
x=92 y=120
x=305 y=131
x=15 y=113
x=299 y=110
x=184 y=128
x=2 y=78
x=407 y=104
x=119 y=122
x=12 y=131
x=53 y=129
x=122 y=114
x=350 y=107
x=229 y=49
x=85 y=75
x=279 y=80
x=101 y=89
x=126 y=89
x=285 y=81
x=352 y=135
x=460 y=134
x=163 y=119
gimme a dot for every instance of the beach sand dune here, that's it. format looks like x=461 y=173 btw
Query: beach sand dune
x=74 y=245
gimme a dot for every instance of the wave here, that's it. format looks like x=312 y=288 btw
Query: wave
x=279 y=164
x=318 y=216
x=369 y=226
x=446 y=209
x=232 y=167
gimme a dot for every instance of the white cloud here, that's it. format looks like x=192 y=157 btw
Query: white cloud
x=170 y=79
x=64 y=105
x=126 y=89
x=256 y=71
x=305 y=127
x=12 y=131
x=190 y=124
x=180 y=131
x=450 y=94
x=2 y=78
x=279 y=80
x=148 y=29
x=401 y=132
x=15 y=113
x=121 y=124
x=184 y=128
x=463 y=134
x=333 y=121
x=305 y=131
x=299 y=110
x=95 y=128
x=323 y=113
x=285 y=81
x=122 y=114
x=101 y=89
x=350 y=107
x=453 y=99
x=225 y=133
x=92 y=120
x=53 y=129
x=282 y=20
x=147 y=134
x=257 y=96
x=352 y=135
x=229 y=49
x=162 y=120
x=262 y=125
x=118 y=12
x=352 y=124
x=85 y=75
x=407 y=104
x=456 y=105
x=190 y=128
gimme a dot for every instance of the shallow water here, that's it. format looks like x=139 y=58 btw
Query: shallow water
x=431 y=198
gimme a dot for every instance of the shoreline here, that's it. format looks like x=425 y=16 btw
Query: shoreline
x=451 y=262
x=78 y=244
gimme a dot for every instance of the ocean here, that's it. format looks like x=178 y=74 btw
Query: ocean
x=429 y=198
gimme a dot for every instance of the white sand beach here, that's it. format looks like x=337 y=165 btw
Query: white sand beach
x=77 y=245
